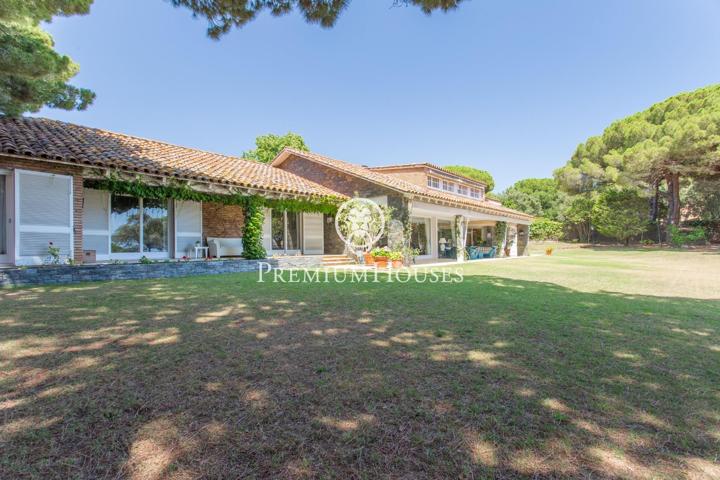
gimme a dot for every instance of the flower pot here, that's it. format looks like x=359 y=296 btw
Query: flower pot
x=381 y=262
x=369 y=260
x=397 y=264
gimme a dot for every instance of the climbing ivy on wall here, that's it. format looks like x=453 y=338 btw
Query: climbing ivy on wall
x=181 y=191
x=252 y=236
x=499 y=237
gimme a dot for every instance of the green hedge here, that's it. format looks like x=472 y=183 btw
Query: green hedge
x=545 y=229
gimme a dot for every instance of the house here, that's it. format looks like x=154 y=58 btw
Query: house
x=81 y=189
x=428 y=198
x=121 y=198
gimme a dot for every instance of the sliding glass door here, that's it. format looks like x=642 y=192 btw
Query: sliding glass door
x=285 y=232
x=4 y=257
x=420 y=235
x=446 y=239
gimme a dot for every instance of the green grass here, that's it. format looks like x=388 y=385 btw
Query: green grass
x=589 y=363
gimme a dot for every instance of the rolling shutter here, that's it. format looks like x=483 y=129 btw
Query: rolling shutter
x=44 y=214
x=96 y=222
x=188 y=227
x=313 y=233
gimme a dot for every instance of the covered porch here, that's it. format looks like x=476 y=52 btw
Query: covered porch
x=444 y=233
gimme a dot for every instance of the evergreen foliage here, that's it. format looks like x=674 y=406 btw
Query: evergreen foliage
x=223 y=15
x=32 y=73
x=474 y=173
x=620 y=213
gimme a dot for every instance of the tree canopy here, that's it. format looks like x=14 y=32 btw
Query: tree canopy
x=268 y=146
x=32 y=73
x=474 y=173
x=223 y=15
x=678 y=137
x=540 y=197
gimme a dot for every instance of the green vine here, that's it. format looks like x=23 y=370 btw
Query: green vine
x=252 y=236
x=181 y=191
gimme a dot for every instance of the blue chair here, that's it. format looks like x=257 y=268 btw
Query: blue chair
x=474 y=253
x=490 y=253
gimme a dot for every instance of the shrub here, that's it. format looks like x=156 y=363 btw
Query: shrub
x=620 y=213
x=679 y=238
x=545 y=229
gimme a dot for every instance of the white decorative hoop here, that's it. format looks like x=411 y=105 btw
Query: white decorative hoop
x=360 y=223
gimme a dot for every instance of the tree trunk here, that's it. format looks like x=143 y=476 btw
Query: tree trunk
x=655 y=202
x=673 y=215
x=673 y=183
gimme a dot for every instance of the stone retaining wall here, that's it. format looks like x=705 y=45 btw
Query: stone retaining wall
x=59 y=274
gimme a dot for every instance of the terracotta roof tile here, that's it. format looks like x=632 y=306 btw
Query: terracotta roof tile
x=396 y=183
x=42 y=138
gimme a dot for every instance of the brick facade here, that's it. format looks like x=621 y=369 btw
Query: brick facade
x=333 y=179
x=344 y=183
x=78 y=191
x=331 y=240
x=220 y=220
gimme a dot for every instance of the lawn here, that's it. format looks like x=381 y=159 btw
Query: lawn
x=589 y=363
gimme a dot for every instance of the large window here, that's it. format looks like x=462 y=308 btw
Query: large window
x=420 y=234
x=138 y=225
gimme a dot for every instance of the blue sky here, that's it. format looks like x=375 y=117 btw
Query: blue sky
x=508 y=86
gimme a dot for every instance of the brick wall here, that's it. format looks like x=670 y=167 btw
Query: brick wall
x=76 y=173
x=220 y=220
x=332 y=241
x=333 y=179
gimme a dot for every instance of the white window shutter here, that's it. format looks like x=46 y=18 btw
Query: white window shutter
x=313 y=233
x=188 y=227
x=96 y=222
x=44 y=214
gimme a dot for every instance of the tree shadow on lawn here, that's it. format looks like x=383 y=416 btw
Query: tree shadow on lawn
x=223 y=377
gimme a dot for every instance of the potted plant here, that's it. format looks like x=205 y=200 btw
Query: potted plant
x=369 y=260
x=396 y=257
x=380 y=255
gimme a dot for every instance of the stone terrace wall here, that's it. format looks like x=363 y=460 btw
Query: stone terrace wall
x=60 y=274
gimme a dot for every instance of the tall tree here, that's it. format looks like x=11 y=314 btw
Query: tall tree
x=222 y=15
x=32 y=73
x=654 y=149
x=474 y=173
x=268 y=146
x=541 y=197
